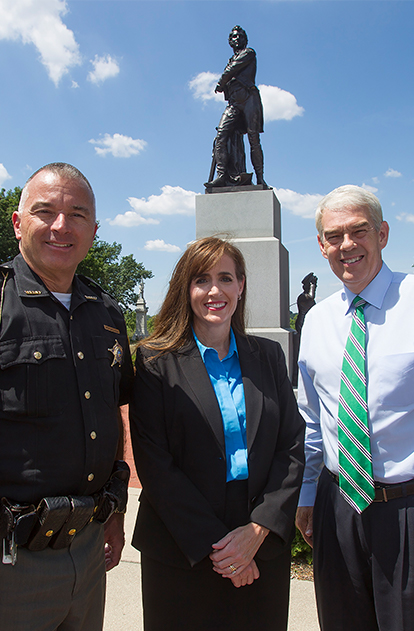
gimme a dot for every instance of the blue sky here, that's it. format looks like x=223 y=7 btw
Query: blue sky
x=123 y=89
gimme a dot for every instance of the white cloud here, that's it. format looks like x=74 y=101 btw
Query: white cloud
x=103 y=68
x=370 y=189
x=159 y=245
x=39 y=22
x=203 y=87
x=302 y=205
x=173 y=200
x=130 y=219
x=375 y=180
x=392 y=173
x=120 y=146
x=75 y=84
x=406 y=217
x=279 y=104
x=4 y=175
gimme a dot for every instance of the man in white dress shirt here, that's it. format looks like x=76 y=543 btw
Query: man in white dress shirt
x=363 y=563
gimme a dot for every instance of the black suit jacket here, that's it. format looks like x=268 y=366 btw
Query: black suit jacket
x=178 y=440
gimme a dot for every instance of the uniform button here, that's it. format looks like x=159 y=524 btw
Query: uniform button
x=90 y=477
x=37 y=355
x=81 y=355
x=87 y=395
x=72 y=532
x=49 y=533
x=93 y=435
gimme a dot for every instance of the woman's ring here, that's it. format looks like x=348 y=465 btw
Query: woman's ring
x=232 y=568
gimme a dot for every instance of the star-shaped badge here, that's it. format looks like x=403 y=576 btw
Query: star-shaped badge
x=117 y=351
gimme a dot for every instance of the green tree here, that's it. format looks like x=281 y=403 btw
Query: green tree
x=293 y=318
x=9 y=202
x=150 y=323
x=117 y=275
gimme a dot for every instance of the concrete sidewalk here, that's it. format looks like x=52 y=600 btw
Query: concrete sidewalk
x=123 y=602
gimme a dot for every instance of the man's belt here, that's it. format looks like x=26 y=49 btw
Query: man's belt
x=57 y=520
x=387 y=492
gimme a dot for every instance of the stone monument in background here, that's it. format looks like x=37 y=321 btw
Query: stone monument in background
x=141 y=311
x=246 y=213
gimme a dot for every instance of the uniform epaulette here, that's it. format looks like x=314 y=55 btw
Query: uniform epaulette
x=94 y=285
x=8 y=265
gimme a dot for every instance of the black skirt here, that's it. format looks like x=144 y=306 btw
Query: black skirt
x=199 y=599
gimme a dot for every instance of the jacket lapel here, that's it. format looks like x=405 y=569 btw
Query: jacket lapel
x=251 y=368
x=197 y=377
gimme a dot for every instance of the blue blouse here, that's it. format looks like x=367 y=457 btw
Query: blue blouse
x=226 y=378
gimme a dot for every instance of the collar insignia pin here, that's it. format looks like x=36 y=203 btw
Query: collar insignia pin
x=117 y=352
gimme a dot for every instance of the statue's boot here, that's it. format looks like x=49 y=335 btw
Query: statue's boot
x=256 y=156
x=221 y=157
x=220 y=180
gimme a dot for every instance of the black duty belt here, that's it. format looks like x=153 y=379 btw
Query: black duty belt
x=56 y=520
x=387 y=492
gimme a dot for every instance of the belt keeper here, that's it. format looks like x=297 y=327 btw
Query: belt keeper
x=384 y=494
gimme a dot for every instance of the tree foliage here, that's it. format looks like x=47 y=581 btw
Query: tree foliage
x=9 y=202
x=116 y=274
x=151 y=324
x=301 y=551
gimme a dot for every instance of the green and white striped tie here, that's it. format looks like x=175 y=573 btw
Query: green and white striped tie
x=356 y=480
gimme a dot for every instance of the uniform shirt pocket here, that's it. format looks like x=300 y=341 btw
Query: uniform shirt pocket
x=32 y=375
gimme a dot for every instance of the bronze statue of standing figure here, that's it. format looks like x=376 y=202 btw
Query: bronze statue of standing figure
x=305 y=302
x=243 y=115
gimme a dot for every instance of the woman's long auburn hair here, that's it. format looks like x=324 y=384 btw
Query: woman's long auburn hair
x=173 y=322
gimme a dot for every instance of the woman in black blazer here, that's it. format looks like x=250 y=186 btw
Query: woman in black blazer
x=218 y=445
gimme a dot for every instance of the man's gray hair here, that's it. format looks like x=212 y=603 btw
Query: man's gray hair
x=64 y=170
x=345 y=198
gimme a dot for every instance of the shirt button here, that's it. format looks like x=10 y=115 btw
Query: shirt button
x=87 y=395
x=37 y=355
x=90 y=477
x=93 y=435
x=81 y=355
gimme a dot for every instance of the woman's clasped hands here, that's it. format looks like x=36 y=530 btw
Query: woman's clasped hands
x=233 y=556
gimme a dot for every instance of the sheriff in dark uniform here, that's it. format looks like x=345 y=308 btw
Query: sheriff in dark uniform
x=65 y=368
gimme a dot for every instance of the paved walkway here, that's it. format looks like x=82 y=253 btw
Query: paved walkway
x=124 y=609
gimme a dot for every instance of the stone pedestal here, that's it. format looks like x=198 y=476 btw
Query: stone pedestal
x=251 y=219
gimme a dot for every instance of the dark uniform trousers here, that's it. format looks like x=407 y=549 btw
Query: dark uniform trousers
x=56 y=590
x=363 y=564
